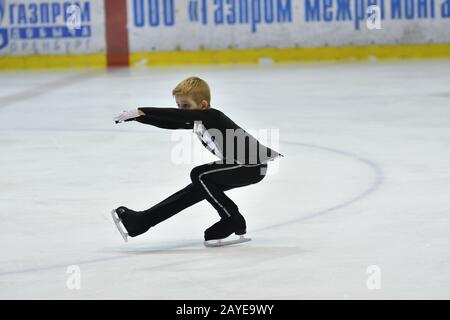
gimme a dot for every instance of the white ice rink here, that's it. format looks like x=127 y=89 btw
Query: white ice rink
x=365 y=181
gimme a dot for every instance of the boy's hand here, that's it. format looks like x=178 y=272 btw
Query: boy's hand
x=127 y=115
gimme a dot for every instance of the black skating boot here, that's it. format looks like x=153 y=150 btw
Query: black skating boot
x=133 y=221
x=225 y=227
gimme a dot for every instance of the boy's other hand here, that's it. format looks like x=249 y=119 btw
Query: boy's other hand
x=127 y=116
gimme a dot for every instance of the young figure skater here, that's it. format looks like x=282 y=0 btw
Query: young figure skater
x=243 y=161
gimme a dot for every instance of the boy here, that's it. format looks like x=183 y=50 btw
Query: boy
x=243 y=161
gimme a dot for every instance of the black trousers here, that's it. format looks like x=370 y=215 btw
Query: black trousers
x=209 y=181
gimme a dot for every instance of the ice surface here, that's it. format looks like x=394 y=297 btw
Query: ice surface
x=365 y=181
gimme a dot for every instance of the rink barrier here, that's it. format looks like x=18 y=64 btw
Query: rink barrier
x=53 y=61
x=345 y=53
x=265 y=55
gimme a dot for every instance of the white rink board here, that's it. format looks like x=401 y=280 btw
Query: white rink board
x=40 y=28
x=208 y=24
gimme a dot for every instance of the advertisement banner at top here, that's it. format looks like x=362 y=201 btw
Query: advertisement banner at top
x=39 y=27
x=223 y=24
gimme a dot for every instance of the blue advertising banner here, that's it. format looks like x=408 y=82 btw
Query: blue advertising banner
x=51 y=27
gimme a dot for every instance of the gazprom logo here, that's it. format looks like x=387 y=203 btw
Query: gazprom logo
x=3 y=31
x=43 y=23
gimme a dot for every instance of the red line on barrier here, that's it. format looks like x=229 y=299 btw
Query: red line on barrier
x=117 y=50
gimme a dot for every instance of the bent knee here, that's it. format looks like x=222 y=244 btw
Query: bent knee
x=195 y=174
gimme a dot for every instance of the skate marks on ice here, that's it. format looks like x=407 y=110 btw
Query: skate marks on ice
x=234 y=257
x=47 y=87
x=378 y=179
x=191 y=265
x=186 y=246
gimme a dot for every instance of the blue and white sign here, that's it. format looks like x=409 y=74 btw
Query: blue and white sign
x=51 y=27
x=222 y=24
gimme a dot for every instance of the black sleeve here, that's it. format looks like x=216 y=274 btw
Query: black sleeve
x=160 y=123
x=174 y=118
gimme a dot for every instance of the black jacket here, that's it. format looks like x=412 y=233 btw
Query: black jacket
x=218 y=133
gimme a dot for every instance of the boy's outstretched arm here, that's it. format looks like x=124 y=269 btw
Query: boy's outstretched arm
x=137 y=115
x=160 y=123
x=167 y=118
x=176 y=114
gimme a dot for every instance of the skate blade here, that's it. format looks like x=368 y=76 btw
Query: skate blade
x=117 y=222
x=224 y=242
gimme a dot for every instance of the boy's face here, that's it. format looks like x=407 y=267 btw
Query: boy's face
x=185 y=102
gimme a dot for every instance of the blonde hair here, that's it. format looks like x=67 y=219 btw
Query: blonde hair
x=195 y=88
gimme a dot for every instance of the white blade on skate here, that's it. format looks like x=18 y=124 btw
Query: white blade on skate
x=224 y=242
x=117 y=222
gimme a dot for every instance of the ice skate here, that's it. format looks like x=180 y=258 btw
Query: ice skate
x=119 y=225
x=219 y=234
x=129 y=222
x=226 y=241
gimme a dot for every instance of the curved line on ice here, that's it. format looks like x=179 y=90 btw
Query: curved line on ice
x=377 y=182
x=375 y=185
